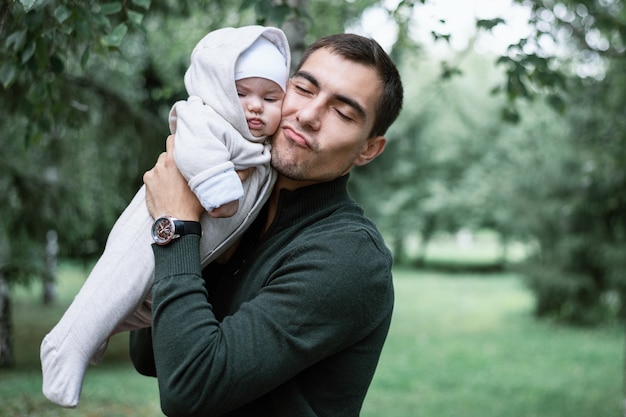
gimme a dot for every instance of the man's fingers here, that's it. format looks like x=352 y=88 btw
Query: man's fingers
x=169 y=144
x=152 y=171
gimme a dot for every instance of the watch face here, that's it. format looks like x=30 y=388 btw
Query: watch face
x=163 y=230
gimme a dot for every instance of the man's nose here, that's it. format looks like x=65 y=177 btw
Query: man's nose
x=310 y=113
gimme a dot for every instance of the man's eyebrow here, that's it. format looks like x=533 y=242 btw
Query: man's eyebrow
x=307 y=76
x=356 y=106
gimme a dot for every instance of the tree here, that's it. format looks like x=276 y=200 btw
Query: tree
x=554 y=179
x=85 y=88
x=61 y=115
x=576 y=274
x=74 y=101
x=569 y=39
x=441 y=155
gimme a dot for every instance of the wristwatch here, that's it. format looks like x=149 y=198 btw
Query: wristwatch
x=167 y=228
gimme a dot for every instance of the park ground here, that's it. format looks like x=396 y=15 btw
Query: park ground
x=460 y=345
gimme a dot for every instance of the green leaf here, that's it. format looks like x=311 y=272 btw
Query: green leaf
x=436 y=36
x=447 y=71
x=28 y=4
x=114 y=39
x=510 y=115
x=62 y=13
x=28 y=52
x=557 y=103
x=8 y=74
x=145 y=4
x=37 y=94
x=489 y=24
x=135 y=17
x=84 y=58
x=496 y=90
x=503 y=60
x=67 y=29
x=111 y=8
x=101 y=20
x=17 y=40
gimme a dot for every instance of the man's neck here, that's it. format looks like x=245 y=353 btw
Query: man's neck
x=282 y=183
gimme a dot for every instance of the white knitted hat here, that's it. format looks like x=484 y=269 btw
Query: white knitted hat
x=263 y=59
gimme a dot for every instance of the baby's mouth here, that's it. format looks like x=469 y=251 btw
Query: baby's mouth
x=255 y=123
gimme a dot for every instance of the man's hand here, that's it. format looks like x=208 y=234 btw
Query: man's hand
x=167 y=191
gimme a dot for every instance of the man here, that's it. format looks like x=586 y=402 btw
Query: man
x=293 y=323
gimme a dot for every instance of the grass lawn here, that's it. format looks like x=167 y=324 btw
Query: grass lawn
x=459 y=345
x=111 y=389
x=467 y=345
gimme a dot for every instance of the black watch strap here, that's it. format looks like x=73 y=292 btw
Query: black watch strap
x=186 y=227
x=167 y=228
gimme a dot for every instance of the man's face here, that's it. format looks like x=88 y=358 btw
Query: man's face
x=328 y=113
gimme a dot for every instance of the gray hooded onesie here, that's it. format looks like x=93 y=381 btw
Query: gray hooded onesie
x=212 y=140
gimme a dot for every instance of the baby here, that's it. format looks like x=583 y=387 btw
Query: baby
x=236 y=83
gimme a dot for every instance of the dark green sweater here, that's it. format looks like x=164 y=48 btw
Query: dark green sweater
x=292 y=326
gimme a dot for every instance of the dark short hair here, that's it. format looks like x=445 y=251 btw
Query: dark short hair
x=368 y=52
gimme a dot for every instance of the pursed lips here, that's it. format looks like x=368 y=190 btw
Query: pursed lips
x=292 y=135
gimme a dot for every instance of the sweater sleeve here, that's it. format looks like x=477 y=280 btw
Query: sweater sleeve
x=314 y=305
x=140 y=349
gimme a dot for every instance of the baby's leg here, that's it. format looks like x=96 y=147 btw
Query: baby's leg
x=115 y=287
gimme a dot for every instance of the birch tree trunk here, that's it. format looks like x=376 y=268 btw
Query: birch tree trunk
x=50 y=274
x=7 y=358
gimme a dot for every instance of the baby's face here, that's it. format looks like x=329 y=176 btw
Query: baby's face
x=261 y=100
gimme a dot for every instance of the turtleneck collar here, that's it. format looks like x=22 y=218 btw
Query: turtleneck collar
x=309 y=201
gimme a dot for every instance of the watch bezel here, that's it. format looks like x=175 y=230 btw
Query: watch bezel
x=158 y=235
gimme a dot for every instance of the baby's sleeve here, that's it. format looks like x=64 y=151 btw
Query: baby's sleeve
x=201 y=154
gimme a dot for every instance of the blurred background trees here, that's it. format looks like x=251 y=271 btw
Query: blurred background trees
x=552 y=176
x=529 y=144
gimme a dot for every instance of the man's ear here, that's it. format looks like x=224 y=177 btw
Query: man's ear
x=372 y=148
